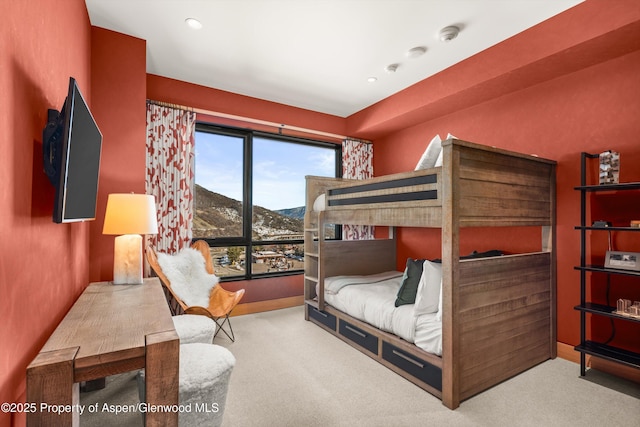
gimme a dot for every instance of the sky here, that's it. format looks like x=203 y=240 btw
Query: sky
x=279 y=168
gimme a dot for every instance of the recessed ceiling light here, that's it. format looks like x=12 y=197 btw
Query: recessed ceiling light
x=372 y=79
x=416 y=51
x=193 y=23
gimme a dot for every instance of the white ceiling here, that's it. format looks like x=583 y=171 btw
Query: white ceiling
x=314 y=54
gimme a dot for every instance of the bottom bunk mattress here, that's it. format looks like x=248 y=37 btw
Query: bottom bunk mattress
x=372 y=299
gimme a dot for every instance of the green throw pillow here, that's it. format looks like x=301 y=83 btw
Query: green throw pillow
x=411 y=278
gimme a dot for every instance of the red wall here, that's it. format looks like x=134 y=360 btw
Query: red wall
x=200 y=97
x=118 y=67
x=583 y=98
x=43 y=266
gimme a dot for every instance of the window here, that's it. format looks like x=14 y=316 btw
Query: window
x=250 y=197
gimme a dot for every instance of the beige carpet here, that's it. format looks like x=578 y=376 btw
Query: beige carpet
x=292 y=373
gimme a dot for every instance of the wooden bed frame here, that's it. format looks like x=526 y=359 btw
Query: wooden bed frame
x=499 y=314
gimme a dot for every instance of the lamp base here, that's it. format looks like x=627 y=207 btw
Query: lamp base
x=127 y=260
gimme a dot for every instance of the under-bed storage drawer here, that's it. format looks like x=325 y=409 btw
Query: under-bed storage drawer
x=358 y=336
x=424 y=371
x=328 y=320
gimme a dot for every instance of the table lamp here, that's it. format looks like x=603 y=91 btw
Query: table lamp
x=129 y=216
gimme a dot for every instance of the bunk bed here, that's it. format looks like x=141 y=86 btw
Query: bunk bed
x=498 y=314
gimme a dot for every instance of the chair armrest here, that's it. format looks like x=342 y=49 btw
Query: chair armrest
x=202 y=311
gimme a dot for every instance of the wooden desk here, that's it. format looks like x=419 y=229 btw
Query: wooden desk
x=109 y=330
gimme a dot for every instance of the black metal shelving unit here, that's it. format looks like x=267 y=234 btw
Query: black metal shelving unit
x=593 y=348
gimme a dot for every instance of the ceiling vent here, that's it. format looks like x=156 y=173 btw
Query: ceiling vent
x=416 y=52
x=448 y=33
x=392 y=68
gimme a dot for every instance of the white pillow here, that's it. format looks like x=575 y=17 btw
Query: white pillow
x=429 y=289
x=188 y=275
x=430 y=155
x=439 y=159
x=439 y=315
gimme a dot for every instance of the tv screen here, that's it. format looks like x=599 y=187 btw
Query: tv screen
x=72 y=144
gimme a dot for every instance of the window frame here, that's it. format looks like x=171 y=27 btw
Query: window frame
x=246 y=240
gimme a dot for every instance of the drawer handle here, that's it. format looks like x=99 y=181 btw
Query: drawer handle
x=355 y=331
x=320 y=313
x=408 y=359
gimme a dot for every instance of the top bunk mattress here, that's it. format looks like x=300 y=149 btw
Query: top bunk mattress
x=371 y=299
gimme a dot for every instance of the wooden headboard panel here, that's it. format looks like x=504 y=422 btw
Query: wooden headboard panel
x=358 y=257
x=499 y=188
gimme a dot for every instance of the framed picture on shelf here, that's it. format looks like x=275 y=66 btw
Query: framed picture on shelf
x=622 y=260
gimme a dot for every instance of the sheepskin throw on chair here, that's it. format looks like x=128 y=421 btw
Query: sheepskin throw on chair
x=188 y=275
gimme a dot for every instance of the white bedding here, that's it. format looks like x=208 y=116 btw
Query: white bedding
x=374 y=303
x=333 y=285
x=429 y=333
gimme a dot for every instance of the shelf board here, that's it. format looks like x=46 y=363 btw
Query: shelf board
x=311 y=278
x=604 y=310
x=610 y=187
x=577 y=227
x=311 y=254
x=608 y=352
x=601 y=269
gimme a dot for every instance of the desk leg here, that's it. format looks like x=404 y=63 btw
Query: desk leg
x=161 y=376
x=50 y=382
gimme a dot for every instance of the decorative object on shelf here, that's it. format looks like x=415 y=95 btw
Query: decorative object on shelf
x=129 y=216
x=635 y=224
x=609 y=167
x=601 y=224
x=625 y=308
x=622 y=260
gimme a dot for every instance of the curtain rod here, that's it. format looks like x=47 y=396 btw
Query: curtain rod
x=280 y=126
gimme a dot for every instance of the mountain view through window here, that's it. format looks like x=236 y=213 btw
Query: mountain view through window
x=240 y=175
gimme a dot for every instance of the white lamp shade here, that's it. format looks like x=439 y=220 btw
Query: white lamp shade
x=130 y=214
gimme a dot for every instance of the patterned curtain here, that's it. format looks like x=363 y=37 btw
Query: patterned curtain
x=357 y=163
x=170 y=174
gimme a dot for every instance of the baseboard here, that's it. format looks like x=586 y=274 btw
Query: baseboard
x=567 y=352
x=260 y=306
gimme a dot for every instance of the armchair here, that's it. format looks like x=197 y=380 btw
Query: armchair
x=221 y=302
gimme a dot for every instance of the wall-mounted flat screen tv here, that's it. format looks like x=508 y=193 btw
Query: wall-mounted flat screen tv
x=71 y=148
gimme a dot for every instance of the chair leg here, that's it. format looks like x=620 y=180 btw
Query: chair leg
x=220 y=328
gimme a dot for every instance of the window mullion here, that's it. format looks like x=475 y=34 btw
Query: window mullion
x=248 y=203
